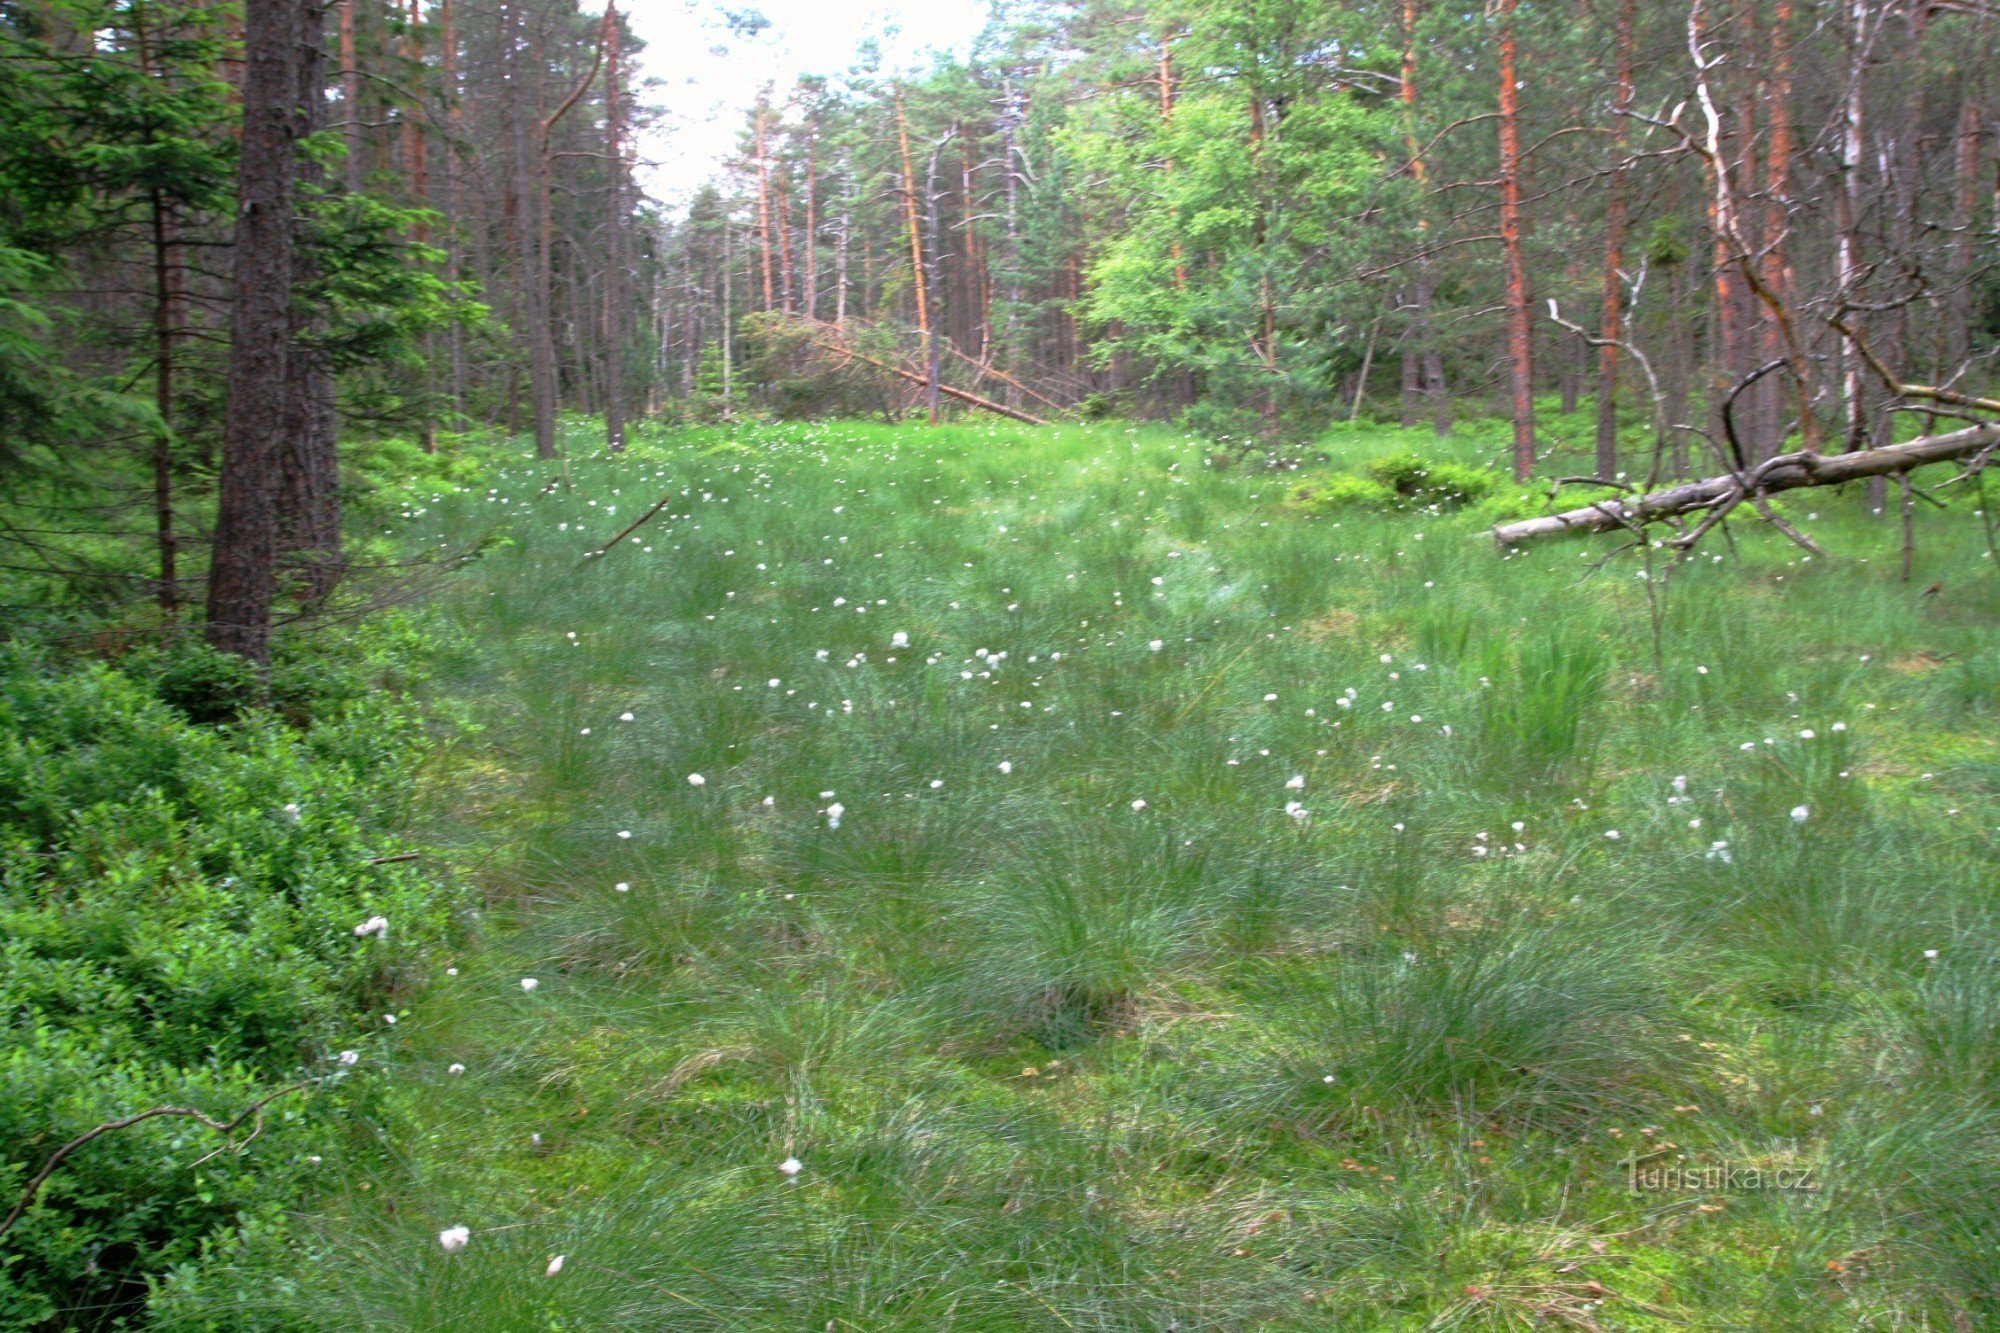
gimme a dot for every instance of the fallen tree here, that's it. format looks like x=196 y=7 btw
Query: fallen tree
x=984 y=404
x=1786 y=472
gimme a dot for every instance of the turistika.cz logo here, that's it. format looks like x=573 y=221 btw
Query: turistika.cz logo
x=1724 y=1177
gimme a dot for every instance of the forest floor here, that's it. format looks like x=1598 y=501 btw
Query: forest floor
x=993 y=878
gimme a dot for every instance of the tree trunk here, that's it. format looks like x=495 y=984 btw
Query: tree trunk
x=614 y=264
x=166 y=306
x=309 y=545
x=243 y=571
x=810 y=303
x=1613 y=326
x=1520 y=331
x=1847 y=213
x=1775 y=268
x=350 y=97
x=917 y=273
x=764 y=206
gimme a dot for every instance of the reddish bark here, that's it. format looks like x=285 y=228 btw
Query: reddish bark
x=1520 y=331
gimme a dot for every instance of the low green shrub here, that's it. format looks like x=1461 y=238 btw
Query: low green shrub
x=1402 y=481
x=179 y=904
x=1418 y=482
x=1341 y=490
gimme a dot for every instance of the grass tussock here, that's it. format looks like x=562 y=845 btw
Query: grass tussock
x=1132 y=899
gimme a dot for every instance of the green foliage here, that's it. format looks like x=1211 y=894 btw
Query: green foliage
x=1419 y=482
x=179 y=902
x=1399 y=481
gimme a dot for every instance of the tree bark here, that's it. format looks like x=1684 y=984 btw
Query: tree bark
x=309 y=538
x=1785 y=472
x=1614 y=253
x=1520 y=329
x=917 y=274
x=350 y=97
x=243 y=570
x=615 y=315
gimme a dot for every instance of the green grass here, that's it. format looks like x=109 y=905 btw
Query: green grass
x=1054 y=1059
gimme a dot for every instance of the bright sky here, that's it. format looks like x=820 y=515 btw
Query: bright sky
x=707 y=76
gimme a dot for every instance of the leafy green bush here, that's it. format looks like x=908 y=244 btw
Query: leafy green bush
x=1418 y=482
x=1341 y=490
x=1400 y=481
x=179 y=903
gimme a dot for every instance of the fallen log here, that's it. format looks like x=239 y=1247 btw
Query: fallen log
x=960 y=394
x=1787 y=472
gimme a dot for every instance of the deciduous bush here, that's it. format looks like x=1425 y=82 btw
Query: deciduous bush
x=179 y=902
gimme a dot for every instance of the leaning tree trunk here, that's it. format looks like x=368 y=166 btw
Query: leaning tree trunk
x=242 y=576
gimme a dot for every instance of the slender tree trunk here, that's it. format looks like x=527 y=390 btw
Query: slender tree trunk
x=811 y=240
x=350 y=97
x=841 y=242
x=1774 y=268
x=166 y=305
x=1847 y=212
x=764 y=207
x=455 y=118
x=933 y=368
x=615 y=316
x=917 y=273
x=1520 y=329
x=544 y=386
x=242 y=577
x=1955 y=337
x=1613 y=324
x=166 y=323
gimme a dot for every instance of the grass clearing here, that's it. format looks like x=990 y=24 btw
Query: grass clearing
x=1138 y=901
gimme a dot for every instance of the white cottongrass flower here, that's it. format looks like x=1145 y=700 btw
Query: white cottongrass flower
x=374 y=925
x=900 y=639
x=454 y=1238
x=528 y=984
x=1296 y=810
x=1270 y=698
x=1296 y=783
x=455 y=1068
x=555 y=1266
x=1718 y=851
x=1801 y=813
x=1681 y=785
x=292 y=811
x=1006 y=766
x=1612 y=834
x=349 y=1058
x=622 y=887
x=625 y=717
x=1139 y=804
x=697 y=780
x=624 y=833
x=1930 y=954
x=1157 y=644
x=791 y=1166
x=1344 y=702
x=833 y=814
